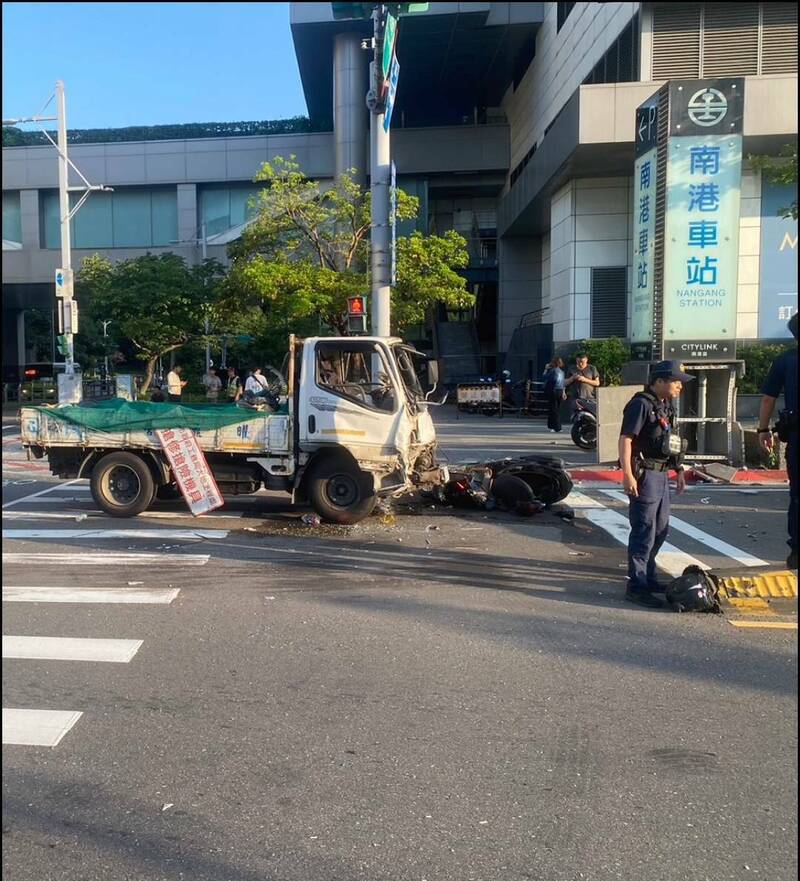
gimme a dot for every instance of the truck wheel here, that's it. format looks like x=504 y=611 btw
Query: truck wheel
x=339 y=491
x=122 y=485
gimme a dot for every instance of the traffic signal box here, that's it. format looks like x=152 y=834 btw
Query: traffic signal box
x=356 y=315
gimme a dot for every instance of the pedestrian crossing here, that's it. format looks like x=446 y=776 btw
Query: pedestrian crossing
x=53 y=577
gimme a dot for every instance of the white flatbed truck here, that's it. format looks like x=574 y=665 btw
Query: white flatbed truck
x=356 y=426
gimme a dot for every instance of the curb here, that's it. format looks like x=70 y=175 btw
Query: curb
x=614 y=476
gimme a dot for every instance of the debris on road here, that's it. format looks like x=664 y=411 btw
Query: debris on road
x=311 y=520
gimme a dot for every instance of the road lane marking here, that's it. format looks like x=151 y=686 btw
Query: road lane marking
x=770 y=625
x=42 y=492
x=36 y=727
x=52 y=594
x=60 y=648
x=710 y=541
x=106 y=559
x=672 y=560
x=94 y=514
x=70 y=534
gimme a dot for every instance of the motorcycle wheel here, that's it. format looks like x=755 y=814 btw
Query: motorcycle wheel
x=584 y=434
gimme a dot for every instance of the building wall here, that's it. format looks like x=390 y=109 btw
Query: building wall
x=520 y=284
x=590 y=228
x=563 y=60
x=749 y=255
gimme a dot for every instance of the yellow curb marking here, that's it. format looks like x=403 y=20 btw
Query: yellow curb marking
x=772 y=625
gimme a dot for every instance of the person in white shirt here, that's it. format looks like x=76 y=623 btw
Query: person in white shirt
x=256 y=382
x=175 y=384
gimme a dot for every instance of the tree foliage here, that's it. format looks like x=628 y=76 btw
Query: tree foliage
x=607 y=356
x=159 y=303
x=780 y=169
x=308 y=250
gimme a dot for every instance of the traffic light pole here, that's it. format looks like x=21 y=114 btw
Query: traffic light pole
x=63 y=205
x=380 y=182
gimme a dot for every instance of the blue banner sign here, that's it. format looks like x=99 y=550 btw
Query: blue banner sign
x=777 y=295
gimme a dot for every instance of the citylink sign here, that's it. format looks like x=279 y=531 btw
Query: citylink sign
x=701 y=230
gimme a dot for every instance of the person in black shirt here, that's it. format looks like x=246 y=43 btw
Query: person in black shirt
x=648 y=447
x=782 y=377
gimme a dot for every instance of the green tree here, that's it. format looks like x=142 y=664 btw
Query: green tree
x=308 y=249
x=158 y=303
x=780 y=169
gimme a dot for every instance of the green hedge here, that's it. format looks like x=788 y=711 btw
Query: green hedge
x=757 y=359
x=14 y=137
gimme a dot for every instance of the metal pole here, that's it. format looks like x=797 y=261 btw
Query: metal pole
x=63 y=205
x=702 y=398
x=380 y=175
x=105 y=336
x=204 y=251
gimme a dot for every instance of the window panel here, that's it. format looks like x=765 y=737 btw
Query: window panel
x=240 y=212
x=165 y=216
x=92 y=226
x=12 y=220
x=131 y=218
x=50 y=223
x=215 y=210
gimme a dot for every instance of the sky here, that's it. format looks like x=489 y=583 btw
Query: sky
x=151 y=63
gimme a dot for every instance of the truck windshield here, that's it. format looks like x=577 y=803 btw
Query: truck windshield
x=413 y=371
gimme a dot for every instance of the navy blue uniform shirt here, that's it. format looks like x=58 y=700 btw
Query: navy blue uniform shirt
x=782 y=377
x=638 y=412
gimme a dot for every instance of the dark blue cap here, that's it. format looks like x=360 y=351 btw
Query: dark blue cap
x=669 y=370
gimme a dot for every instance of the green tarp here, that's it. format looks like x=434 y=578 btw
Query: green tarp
x=118 y=415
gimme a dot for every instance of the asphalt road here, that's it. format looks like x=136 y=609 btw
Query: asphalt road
x=458 y=695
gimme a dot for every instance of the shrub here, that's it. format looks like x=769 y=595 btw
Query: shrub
x=757 y=360
x=607 y=356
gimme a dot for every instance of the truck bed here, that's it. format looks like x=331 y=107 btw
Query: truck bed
x=261 y=434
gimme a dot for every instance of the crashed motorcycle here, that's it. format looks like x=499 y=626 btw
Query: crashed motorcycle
x=584 y=424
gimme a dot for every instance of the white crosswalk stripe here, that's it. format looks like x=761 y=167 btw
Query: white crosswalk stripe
x=50 y=594
x=43 y=577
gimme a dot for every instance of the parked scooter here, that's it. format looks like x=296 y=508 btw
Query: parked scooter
x=584 y=424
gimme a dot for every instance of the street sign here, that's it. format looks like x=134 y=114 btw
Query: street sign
x=389 y=40
x=394 y=76
x=67 y=316
x=64 y=283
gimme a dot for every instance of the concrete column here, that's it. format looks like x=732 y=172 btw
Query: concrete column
x=349 y=107
x=188 y=221
x=520 y=283
x=29 y=215
x=21 y=359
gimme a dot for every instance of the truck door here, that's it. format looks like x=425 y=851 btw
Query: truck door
x=350 y=399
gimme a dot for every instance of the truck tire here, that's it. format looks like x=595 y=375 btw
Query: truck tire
x=339 y=491
x=122 y=485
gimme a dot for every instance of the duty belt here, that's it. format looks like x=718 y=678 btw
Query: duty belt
x=654 y=465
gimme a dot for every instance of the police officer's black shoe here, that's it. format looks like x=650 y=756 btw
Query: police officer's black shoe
x=643 y=597
x=791 y=560
x=657 y=587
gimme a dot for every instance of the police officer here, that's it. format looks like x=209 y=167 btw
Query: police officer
x=649 y=446
x=782 y=377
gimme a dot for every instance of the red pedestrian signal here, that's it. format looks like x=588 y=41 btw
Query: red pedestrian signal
x=356 y=305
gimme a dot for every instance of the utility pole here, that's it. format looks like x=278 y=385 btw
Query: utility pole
x=63 y=205
x=105 y=336
x=380 y=179
x=67 y=307
x=204 y=253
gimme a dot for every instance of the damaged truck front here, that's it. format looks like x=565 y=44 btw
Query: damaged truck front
x=355 y=425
